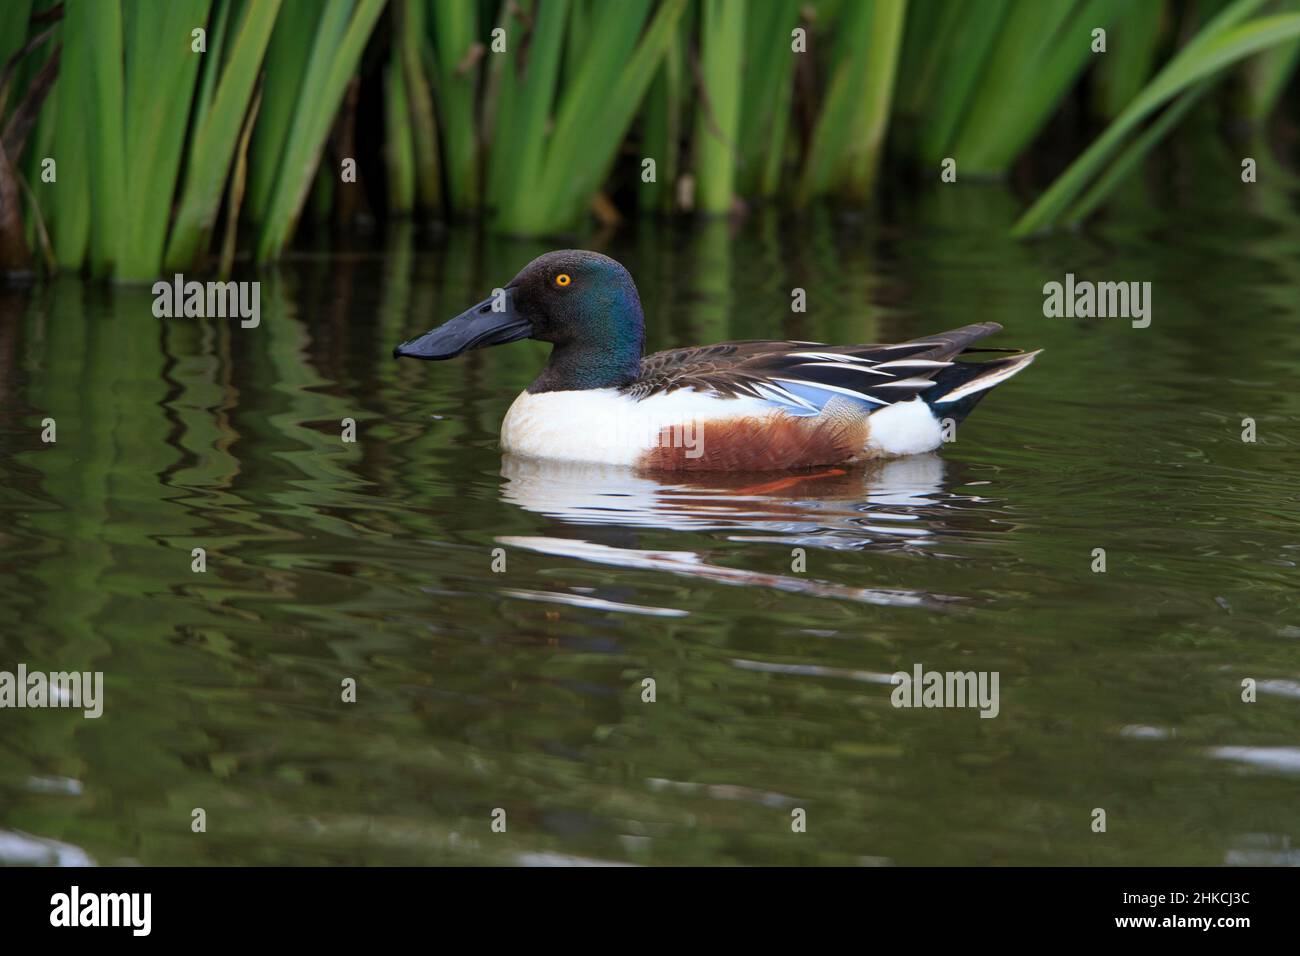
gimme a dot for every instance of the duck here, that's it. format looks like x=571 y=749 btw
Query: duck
x=743 y=406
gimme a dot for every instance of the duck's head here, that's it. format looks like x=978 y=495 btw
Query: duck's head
x=584 y=303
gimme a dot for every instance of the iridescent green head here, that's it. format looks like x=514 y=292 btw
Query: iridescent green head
x=584 y=303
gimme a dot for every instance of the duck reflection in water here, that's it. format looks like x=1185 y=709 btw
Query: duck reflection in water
x=601 y=513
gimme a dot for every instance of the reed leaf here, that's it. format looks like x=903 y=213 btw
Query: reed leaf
x=580 y=136
x=426 y=167
x=161 y=69
x=551 y=179
x=216 y=138
x=1133 y=155
x=847 y=138
x=661 y=127
x=18 y=123
x=774 y=159
x=286 y=59
x=42 y=140
x=235 y=193
x=213 y=59
x=102 y=102
x=455 y=30
x=1130 y=56
x=577 y=37
x=399 y=148
x=13 y=29
x=717 y=111
x=501 y=90
x=1222 y=42
x=334 y=58
x=1270 y=79
x=1270 y=73
x=929 y=43
x=532 y=133
x=521 y=109
x=871 y=119
x=956 y=72
x=1039 y=53
x=66 y=201
x=594 y=116
x=765 y=106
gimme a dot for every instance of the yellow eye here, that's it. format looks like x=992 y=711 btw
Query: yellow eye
x=562 y=279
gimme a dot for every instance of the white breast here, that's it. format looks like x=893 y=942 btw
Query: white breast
x=602 y=426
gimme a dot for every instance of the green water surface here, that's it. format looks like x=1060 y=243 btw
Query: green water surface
x=522 y=689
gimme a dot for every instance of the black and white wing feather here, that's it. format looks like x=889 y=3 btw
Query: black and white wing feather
x=805 y=375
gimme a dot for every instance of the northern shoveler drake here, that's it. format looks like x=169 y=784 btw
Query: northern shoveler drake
x=735 y=406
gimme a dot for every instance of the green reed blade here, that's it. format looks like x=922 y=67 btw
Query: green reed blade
x=330 y=68
x=455 y=30
x=577 y=38
x=956 y=77
x=1022 y=51
x=1133 y=155
x=103 y=114
x=215 y=140
x=399 y=149
x=717 y=111
x=661 y=126
x=161 y=69
x=522 y=110
x=426 y=165
x=13 y=29
x=596 y=111
x=871 y=118
x=835 y=119
x=287 y=56
x=590 y=91
x=1040 y=53
x=501 y=92
x=235 y=194
x=928 y=44
x=1130 y=55
x=1270 y=73
x=67 y=200
x=1224 y=41
x=775 y=128
x=31 y=96
x=212 y=60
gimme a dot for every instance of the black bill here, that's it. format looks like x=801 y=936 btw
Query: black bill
x=475 y=328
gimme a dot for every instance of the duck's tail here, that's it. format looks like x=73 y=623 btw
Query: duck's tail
x=958 y=388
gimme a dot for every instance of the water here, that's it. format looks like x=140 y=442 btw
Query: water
x=522 y=690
